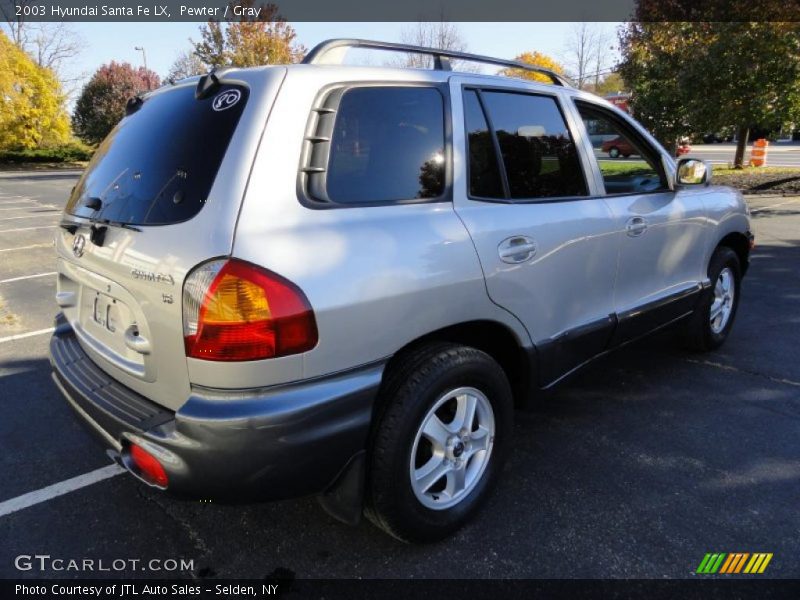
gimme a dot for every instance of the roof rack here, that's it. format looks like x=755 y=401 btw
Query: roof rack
x=332 y=52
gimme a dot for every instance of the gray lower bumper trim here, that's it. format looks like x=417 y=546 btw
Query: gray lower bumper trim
x=278 y=442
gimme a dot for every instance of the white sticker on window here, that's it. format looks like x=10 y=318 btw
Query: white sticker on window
x=226 y=99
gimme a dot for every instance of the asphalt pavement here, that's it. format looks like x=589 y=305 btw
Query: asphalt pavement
x=636 y=467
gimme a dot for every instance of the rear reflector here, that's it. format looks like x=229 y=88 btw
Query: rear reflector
x=148 y=467
x=236 y=311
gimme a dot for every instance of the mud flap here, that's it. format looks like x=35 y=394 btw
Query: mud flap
x=344 y=499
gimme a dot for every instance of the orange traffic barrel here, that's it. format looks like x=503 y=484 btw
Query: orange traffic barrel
x=758 y=155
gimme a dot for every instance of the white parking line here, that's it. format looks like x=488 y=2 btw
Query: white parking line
x=22 y=336
x=771 y=206
x=28 y=207
x=58 y=489
x=51 y=215
x=23 y=277
x=30 y=204
x=25 y=247
x=28 y=228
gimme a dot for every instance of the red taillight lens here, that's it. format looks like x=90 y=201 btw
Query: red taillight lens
x=235 y=311
x=148 y=466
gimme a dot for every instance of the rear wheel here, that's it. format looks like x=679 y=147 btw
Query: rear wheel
x=439 y=443
x=613 y=152
x=712 y=320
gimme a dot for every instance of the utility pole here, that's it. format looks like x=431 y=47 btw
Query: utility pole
x=144 y=60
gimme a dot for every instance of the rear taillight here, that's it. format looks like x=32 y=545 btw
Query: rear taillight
x=233 y=310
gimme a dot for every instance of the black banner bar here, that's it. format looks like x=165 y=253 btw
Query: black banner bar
x=707 y=588
x=405 y=10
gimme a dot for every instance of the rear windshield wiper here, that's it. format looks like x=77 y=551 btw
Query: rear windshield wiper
x=115 y=224
x=71 y=226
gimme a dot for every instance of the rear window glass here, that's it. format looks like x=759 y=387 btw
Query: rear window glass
x=387 y=145
x=158 y=164
x=484 y=172
x=540 y=156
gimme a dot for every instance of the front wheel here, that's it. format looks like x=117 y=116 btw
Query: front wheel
x=614 y=152
x=439 y=443
x=712 y=320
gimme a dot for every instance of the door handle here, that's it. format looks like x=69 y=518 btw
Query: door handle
x=636 y=226
x=516 y=249
x=136 y=342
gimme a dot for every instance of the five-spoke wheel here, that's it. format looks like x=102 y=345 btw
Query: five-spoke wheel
x=452 y=447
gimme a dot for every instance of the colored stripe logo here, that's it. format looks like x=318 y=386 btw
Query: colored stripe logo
x=735 y=562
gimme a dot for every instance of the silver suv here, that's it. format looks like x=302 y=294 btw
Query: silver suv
x=336 y=280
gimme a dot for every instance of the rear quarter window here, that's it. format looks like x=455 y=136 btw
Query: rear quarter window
x=157 y=166
x=387 y=145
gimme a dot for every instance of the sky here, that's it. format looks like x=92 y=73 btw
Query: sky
x=164 y=41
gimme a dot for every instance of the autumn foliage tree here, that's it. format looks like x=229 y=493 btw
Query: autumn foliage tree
x=263 y=40
x=696 y=77
x=186 y=64
x=32 y=111
x=539 y=60
x=101 y=104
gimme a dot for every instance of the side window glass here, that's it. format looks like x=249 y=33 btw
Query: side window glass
x=484 y=171
x=627 y=163
x=387 y=145
x=539 y=154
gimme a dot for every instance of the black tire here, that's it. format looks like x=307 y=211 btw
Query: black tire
x=411 y=389
x=613 y=152
x=699 y=334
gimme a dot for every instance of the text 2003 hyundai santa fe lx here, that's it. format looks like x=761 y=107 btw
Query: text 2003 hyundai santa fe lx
x=335 y=280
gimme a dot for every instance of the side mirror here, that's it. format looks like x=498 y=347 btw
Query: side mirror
x=692 y=171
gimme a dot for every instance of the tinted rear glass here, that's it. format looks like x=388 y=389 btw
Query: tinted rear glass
x=484 y=172
x=158 y=164
x=540 y=157
x=388 y=145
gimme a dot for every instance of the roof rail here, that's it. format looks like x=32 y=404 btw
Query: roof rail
x=331 y=52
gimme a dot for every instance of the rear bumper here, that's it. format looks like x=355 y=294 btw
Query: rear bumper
x=277 y=442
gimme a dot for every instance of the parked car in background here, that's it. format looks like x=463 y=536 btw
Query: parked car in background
x=619 y=146
x=338 y=281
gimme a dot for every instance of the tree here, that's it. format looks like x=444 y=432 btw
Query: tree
x=31 y=103
x=537 y=59
x=443 y=35
x=755 y=79
x=610 y=83
x=51 y=45
x=588 y=54
x=186 y=64
x=696 y=77
x=102 y=102
x=654 y=63
x=263 y=40
x=581 y=53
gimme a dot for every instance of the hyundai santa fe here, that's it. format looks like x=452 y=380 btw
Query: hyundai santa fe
x=321 y=279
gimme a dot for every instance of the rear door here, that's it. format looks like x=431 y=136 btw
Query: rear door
x=546 y=245
x=161 y=195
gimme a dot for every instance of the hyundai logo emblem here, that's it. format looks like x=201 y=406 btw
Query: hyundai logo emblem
x=78 y=245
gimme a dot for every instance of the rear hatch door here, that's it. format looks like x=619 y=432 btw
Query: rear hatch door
x=161 y=195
